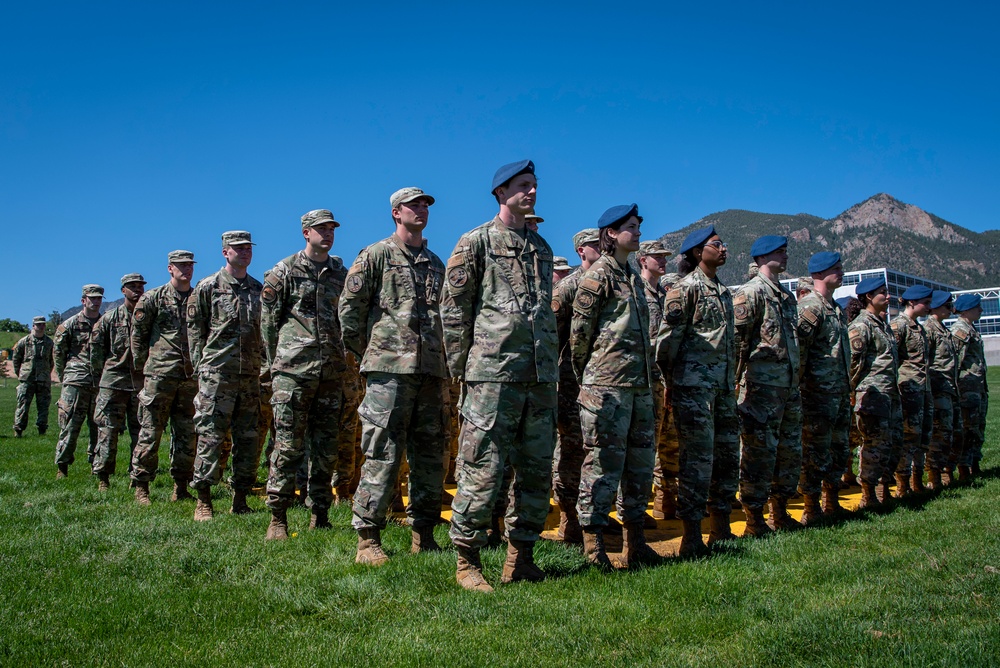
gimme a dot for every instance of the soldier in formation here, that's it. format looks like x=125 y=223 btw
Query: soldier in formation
x=973 y=390
x=32 y=360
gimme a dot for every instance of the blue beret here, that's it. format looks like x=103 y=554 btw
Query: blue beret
x=967 y=302
x=843 y=302
x=697 y=238
x=767 y=244
x=939 y=298
x=507 y=172
x=618 y=213
x=822 y=261
x=916 y=292
x=870 y=285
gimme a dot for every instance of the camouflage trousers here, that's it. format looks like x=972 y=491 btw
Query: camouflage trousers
x=161 y=400
x=567 y=459
x=667 y=445
x=41 y=392
x=265 y=421
x=504 y=423
x=114 y=411
x=947 y=427
x=618 y=442
x=347 y=463
x=76 y=405
x=307 y=413
x=918 y=421
x=402 y=416
x=826 y=445
x=968 y=446
x=770 y=443
x=708 y=432
x=881 y=443
x=226 y=404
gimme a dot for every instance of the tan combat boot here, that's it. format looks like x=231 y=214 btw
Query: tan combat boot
x=569 y=528
x=964 y=474
x=692 y=544
x=665 y=504
x=917 y=481
x=469 y=572
x=946 y=477
x=278 y=528
x=635 y=550
x=142 y=493
x=593 y=549
x=719 y=527
x=240 y=506
x=203 y=511
x=849 y=479
x=902 y=486
x=780 y=519
x=320 y=518
x=868 y=497
x=813 y=511
x=934 y=480
x=422 y=540
x=180 y=492
x=342 y=494
x=103 y=482
x=62 y=470
x=370 y=547
x=831 y=499
x=756 y=524
x=520 y=563
x=882 y=490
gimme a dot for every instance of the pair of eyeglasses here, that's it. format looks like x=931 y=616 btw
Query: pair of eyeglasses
x=717 y=244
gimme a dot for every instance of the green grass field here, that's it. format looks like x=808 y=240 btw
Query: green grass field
x=90 y=579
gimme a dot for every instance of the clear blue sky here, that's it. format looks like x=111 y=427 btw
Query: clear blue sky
x=130 y=129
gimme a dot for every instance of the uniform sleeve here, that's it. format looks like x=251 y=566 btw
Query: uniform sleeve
x=562 y=306
x=590 y=299
x=806 y=327
x=63 y=339
x=17 y=356
x=100 y=343
x=748 y=311
x=677 y=313
x=272 y=300
x=142 y=329
x=860 y=359
x=199 y=318
x=463 y=277
x=355 y=303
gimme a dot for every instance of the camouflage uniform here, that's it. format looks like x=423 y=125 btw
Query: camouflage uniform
x=914 y=392
x=613 y=358
x=695 y=352
x=391 y=320
x=160 y=349
x=79 y=388
x=825 y=364
x=347 y=461
x=500 y=338
x=667 y=447
x=118 y=397
x=567 y=458
x=973 y=393
x=876 y=396
x=942 y=369
x=223 y=321
x=32 y=359
x=305 y=352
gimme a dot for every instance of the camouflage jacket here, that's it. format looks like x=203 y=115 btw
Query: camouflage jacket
x=32 y=359
x=223 y=321
x=497 y=307
x=159 y=333
x=971 y=358
x=767 y=345
x=695 y=346
x=824 y=347
x=609 y=334
x=654 y=300
x=299 y=321
x=942 y=364
x=72 y=351
x=911 y=346
x=562 y=305
x=873 y=364
x=390 y=311
x=111 y=352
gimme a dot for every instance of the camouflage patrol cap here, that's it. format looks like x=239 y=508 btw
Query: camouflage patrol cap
x=93 y=290
x=38 y=320
x=173 y=257
x=133 y=278
x=236 y=238
x=654 y=247
x=560 y=263
x=532 y=218
x=804 y=282
x=404 y=195
x=318 y=217
x=591 y=235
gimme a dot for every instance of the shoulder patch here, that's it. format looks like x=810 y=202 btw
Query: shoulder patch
x=139 y=314
x=192 y=311
x=809 y=316
x=555 y=305
x=585 y=299
x=960 y=334
x=268 y=295
x=740 y=298
x=857 y=345
x=590 y=283
x=355 y=281
x=457 y=275
x=457 y=259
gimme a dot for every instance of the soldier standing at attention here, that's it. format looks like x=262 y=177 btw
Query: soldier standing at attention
x=914 y=392
x=769 y=402
x=876 y=394
x=695 y=352
x=567 y=459
x=500 y=339
x=119 y=379
x=79 y=387
x=613 y=360
x=32 y=360
x=825 y=363
x=942 y=369
x=305 y=352
x=391 y=320
x=223 y=321
x=160 y=349
x=972 y=388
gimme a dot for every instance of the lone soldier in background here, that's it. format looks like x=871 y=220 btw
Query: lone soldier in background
x=769 y=402
x=825 y=363
x=568 y=455
x=119 y=379
x=223 y=321
x=695 y=352
x=915 y=394
x=79 y=386
x=160 y=349
x=500 y=338
x=942 y=368
x=32 y=360
x=391 y=320
x=972 y=388
x=305 y=352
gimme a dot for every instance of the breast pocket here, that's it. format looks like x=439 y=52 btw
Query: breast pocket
x=397 y=285
x=432 y=285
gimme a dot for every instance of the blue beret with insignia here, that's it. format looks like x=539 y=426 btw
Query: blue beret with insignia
x=507 y=172
x=767 y=244
x=697 y=238
x=870 y=285
x=967 y=302
x=618 y=213
x=916 y=292
x=822 y=261
x=939 y=298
